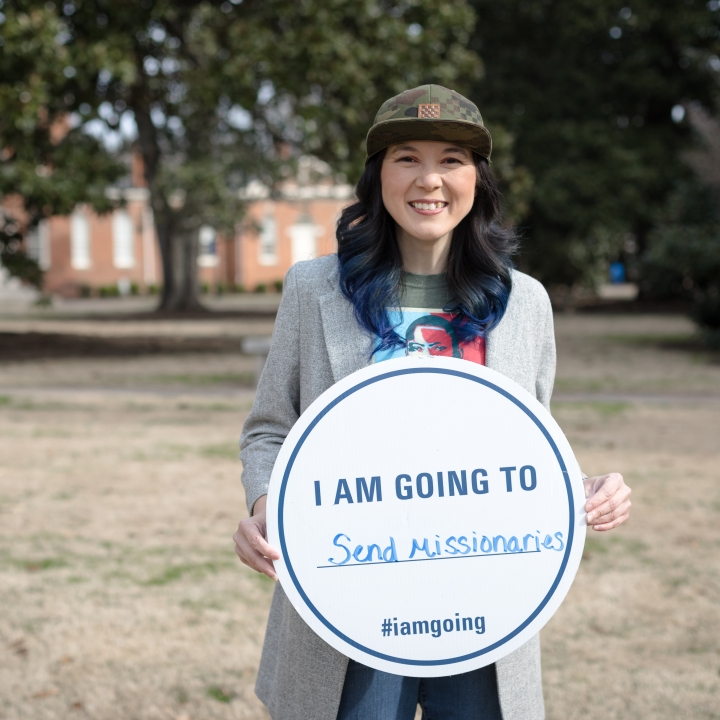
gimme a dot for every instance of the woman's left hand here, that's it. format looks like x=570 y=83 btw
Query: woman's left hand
x=608 y=501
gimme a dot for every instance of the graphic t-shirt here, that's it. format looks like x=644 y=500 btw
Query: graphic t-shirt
x=425 y=327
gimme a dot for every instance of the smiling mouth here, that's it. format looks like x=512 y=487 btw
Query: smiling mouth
x=428 y=206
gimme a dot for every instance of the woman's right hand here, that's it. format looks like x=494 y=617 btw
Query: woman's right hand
x=251 y=541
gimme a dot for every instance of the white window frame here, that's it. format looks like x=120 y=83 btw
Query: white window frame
x=304 y=235
x=207 y=247
x=123 y=239
x=37 y=244
x=268 y=240
x=80 y=240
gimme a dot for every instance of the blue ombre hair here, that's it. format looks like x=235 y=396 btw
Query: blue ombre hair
x=479 y=262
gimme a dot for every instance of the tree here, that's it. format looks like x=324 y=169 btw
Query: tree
x=51 y=165
x=588 y=87
x=684 y=255
x=219 y=93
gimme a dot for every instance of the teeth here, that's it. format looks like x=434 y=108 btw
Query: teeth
x=428 y=206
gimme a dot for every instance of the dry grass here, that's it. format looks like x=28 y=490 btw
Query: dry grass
x=120 y=596
x=639 y=633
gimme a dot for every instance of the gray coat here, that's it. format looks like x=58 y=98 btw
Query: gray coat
x=316 y=342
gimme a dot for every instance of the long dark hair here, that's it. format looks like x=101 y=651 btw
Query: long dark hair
x=478 y=269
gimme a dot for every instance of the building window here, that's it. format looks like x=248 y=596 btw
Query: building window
x=80 y=240
x=123 y=234
x=37 y=244
x=207 y=250
x=268 y=241
x=303 y=236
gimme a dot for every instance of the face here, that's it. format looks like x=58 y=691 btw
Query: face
x=431 y=340
x=428 y=188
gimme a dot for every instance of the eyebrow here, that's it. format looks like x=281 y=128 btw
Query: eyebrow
x=449 y=149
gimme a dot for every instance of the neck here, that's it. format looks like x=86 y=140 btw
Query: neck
x=423 y=257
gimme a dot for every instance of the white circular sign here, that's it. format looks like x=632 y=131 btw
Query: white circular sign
x=429 y=514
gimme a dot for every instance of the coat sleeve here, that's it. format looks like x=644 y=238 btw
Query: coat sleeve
x=277 y=401
x=547 y=358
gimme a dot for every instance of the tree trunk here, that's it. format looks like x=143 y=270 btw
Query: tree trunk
x=178 y=248
x=179 y=260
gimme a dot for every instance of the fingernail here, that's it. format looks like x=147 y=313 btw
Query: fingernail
x=590 y=517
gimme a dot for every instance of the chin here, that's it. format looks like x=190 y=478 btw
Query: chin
x=428 y=234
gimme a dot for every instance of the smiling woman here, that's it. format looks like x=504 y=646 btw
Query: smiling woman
x=428 y=188
x=388 y=241
x=423 y=268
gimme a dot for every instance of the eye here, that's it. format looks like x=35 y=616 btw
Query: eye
x=406 y=158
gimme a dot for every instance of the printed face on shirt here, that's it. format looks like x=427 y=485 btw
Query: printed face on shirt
x=428 y=333
x=434 y=336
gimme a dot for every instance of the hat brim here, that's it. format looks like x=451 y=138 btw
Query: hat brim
x=466 y=134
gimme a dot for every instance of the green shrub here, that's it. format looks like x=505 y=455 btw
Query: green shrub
x=238 y=288
x=278 y=285
x=109 y=291
x=261 y=288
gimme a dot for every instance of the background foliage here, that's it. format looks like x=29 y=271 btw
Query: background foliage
x=587 y=88
x=217 y=94
x=590 y=103
x=683 y=257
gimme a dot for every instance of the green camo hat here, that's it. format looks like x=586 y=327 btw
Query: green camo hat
x=429 y=112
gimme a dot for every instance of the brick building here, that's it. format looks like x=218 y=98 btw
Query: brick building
x=118 y=252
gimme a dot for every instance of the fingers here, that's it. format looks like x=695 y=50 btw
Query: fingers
x=252 y=548
x=254 y=560
x=608 y=491
x=259 y=543
x=611 y=507
x=601 y=488
x=609 y=503
x=612 y=519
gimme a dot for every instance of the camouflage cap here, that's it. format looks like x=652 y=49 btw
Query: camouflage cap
x=429 y=112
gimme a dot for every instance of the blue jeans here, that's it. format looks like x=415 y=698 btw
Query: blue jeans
x=373 y=695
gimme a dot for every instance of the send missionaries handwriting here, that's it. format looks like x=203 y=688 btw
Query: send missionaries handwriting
x=435 y=549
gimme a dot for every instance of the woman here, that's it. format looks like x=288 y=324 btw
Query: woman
x=422 y=267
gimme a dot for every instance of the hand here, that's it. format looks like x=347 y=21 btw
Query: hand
x=251 y=541
x=608 y=502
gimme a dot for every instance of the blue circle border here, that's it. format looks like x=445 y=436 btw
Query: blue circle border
x=325 y=411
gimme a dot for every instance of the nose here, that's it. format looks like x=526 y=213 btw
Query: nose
x=429 y=180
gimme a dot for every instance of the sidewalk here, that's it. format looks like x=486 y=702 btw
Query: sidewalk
x=61 y=308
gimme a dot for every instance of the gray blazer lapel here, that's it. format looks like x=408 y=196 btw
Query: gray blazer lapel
x=495 y=344
x=348 y=345
x=501 y=342
x=513 y=345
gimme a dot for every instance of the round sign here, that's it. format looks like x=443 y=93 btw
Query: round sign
x=429 y=514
